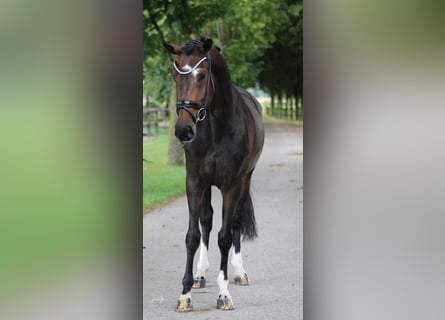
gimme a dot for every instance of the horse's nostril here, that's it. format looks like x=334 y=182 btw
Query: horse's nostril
x=184 y=133
x=190 y=133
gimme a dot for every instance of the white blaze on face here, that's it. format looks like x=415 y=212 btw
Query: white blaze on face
x=195 y=72
x=203 y=262
x=223 y=284
x=186 y=68
x=237 y=264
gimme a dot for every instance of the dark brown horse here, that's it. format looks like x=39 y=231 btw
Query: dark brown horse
x=221 y=128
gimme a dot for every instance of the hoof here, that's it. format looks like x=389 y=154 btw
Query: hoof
x=199 y=283
x=184 y=305
x=242 y=280
x=224 y=303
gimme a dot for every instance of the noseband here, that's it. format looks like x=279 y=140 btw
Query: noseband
x=188 y=104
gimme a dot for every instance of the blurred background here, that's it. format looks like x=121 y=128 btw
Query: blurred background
x=73 y=77
x=374 y=80
x=70 y=82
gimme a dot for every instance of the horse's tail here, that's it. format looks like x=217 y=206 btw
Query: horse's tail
x=247 y=222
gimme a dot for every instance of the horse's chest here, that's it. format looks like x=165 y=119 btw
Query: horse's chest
x=220 y=167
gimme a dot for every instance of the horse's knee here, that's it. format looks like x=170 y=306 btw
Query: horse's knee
x=224 y=240
x=192 y=239
x=206 y=222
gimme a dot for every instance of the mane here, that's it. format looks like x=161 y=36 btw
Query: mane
x=219 y=66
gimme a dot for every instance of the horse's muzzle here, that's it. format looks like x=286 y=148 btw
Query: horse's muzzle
x=185 y=133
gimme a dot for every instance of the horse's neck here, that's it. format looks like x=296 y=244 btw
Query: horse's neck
x=225 y=120
x=224 y=104
x=223 y=107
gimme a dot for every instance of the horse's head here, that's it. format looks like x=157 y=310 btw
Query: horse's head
x=194 y=86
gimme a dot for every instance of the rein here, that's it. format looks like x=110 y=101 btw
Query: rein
x=187 y=104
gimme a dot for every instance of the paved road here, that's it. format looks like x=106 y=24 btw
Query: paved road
x=274 y=261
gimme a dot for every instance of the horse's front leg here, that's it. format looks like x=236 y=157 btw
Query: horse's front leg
x=194 y=197
x=205 y=218
x=230 y=197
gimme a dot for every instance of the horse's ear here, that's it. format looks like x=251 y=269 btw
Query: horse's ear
x=172 y=49
x=207 y=44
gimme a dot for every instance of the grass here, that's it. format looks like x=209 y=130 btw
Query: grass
x=161 y=180
x=279 y=120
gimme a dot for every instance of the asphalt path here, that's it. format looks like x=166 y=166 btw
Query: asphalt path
x=273 y=261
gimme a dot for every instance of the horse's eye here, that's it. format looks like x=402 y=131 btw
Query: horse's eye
x=201 y=76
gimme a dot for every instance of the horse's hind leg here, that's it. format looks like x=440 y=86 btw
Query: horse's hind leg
x=224 y=301
x=243 y=221
x=206 y=226
x=239 y=274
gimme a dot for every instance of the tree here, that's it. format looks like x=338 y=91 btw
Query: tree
x=245 y=31
x=282 y=74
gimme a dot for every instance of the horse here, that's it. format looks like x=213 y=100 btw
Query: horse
x=221 y=129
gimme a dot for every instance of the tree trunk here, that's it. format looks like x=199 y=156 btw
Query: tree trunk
x=286 y=110
x=221 y=35
x=175 y=151
x=272 y=102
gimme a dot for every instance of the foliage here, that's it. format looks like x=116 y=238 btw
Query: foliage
x=248 y=28
x=286 y=54
x=157 y=79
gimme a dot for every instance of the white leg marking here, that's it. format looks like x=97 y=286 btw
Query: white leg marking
x=188 y=295
x=223 y=284
x=185 y=303
x=203 y=262
x=237 y=264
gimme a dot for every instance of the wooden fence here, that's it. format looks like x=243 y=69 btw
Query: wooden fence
x=154 y=119
x=290 y=113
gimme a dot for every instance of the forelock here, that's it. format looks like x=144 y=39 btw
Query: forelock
x=190 y=46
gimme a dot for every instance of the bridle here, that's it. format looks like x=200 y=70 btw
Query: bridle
x=187 y=104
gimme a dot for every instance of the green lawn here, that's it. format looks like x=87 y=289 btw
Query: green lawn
x=161 y=181
x=276 y=119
